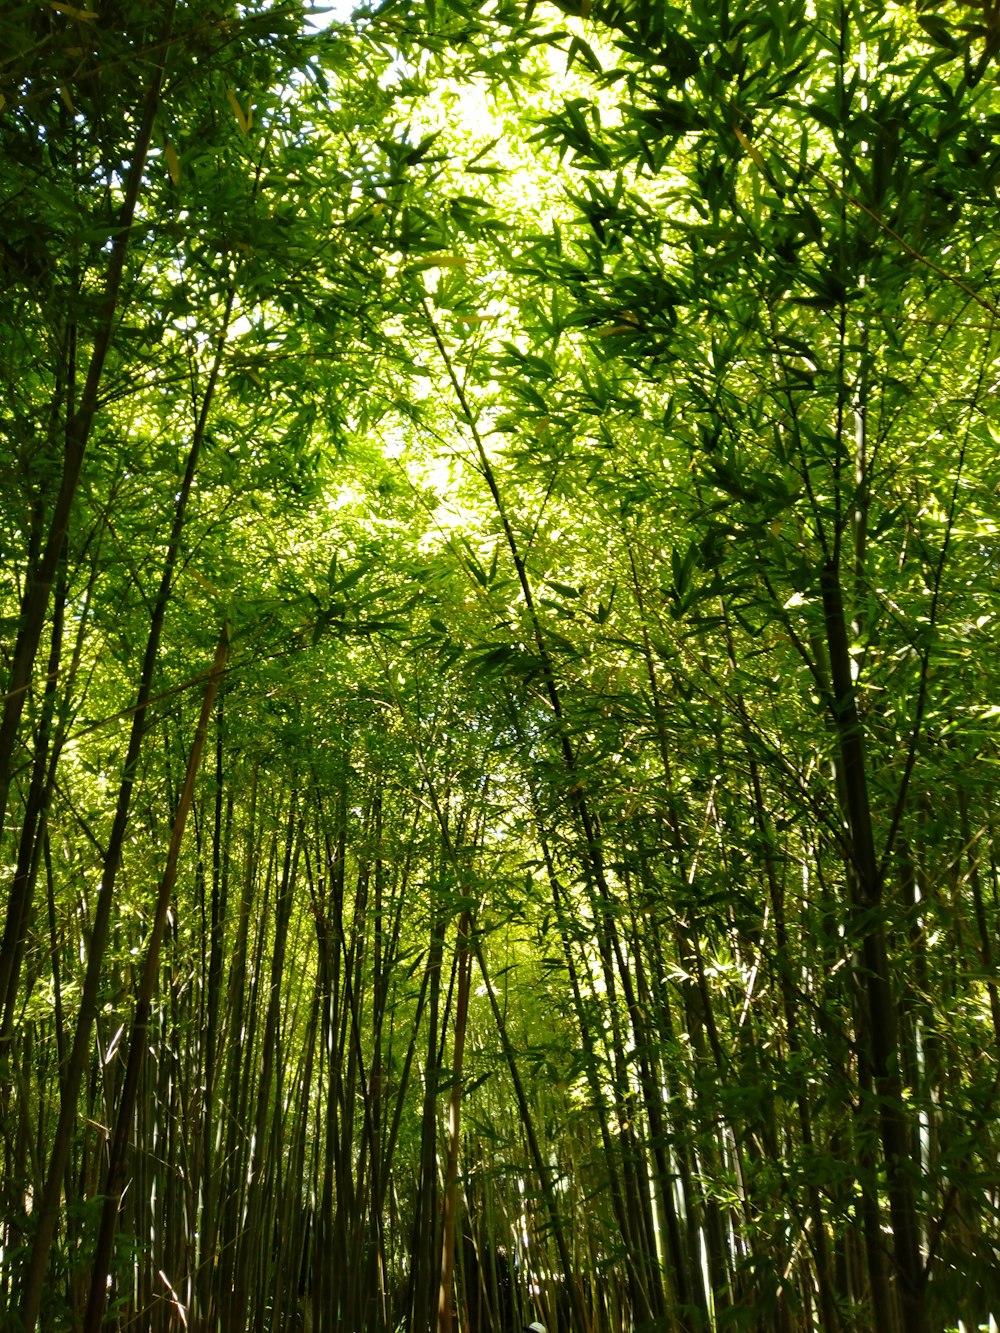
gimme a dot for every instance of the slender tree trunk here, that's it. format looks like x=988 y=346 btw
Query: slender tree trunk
x=29 y=848
x=138 y=1038
x=885 y=1100
x=579 y=1313
x=220 y=895
x=38 y=586
x=254 y=1229
x=830 y=1322
x=48 y=1211
x=426 y=1245
x=464 y=963
x=222 y=1244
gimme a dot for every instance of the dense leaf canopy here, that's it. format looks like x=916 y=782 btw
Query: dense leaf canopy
x=498 y=508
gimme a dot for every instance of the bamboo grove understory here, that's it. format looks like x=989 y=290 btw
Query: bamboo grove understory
x=498 y=615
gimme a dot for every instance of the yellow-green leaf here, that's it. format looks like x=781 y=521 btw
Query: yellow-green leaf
x=241 y=118
x=749 y=149
x=71 y=11
x=173 y=162
x=440 y=260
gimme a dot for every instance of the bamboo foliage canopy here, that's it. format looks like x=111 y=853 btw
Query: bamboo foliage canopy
x=498 y=606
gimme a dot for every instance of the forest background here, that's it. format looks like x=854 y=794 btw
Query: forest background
x=498 y=610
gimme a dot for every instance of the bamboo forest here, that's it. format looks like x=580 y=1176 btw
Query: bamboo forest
x=500 y=666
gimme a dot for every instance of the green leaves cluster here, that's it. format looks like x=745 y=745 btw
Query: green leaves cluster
x=589 y=421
